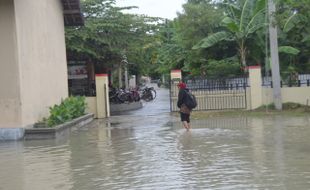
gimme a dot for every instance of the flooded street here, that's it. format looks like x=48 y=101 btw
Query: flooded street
x=149 y=149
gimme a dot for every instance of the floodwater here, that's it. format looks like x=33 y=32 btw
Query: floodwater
x=153 y=151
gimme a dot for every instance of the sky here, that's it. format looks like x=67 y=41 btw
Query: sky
x=156 y=8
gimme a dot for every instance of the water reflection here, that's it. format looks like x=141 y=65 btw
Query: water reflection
x=157 y=153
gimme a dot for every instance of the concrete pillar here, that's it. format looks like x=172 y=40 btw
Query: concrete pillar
x=163 y=79
x=132 y=81
x=120 y=76
x=11 y=123
x=102 y=96
x=175 y=74
x=255 y=92
x=126 y=77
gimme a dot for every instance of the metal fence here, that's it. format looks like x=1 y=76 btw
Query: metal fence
x=217 y=84
x=291 y=81
x=214 y=94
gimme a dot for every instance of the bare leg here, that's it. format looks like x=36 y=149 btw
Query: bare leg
x=188 y=126
x=185 y=125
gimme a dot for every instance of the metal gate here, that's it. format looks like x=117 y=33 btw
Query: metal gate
x=213 y=94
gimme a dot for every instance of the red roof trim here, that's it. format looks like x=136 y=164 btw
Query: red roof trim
x=176 y=71
x=254 y=67
x=101 y=75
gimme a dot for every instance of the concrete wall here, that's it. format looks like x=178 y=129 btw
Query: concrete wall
x=256 y=95
x=10 y=103
x=33 y=60
x=99 y=105
x=255 y=91
x=119 y=108
x=41 y=55
x=91 y=105
x=299 y=95
x=259 y=95
x=102 y=96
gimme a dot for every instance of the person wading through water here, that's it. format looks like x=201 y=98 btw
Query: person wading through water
x=184 y=110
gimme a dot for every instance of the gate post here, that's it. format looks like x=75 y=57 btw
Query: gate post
x=175 y=74
x=102 y=96
x=255 y=92
x=175 y=77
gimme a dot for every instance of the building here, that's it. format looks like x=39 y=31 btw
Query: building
x=33 y=67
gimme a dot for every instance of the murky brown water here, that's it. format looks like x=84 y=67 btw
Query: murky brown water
x=156 y=153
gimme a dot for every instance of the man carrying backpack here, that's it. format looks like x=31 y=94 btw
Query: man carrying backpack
x=185 y=110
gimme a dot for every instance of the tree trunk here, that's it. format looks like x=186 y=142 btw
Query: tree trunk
x=242 y=52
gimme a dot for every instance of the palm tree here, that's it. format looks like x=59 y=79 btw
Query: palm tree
x=242 y=20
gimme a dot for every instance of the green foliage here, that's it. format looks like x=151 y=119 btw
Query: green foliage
x=289 y=75
x=199 y=41
x=223 y=68
x=294 y=31
x=243 y=19
x=291 y=22
x=288 y=50
x=109 y=33
x=70 y=108
x=199 y=18
x=212 y=40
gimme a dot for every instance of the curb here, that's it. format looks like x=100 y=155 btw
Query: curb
x=48 y=133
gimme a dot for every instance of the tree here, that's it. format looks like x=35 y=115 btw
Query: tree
x=200 y=18
x=243 y=19
x=163 y=51
x=109 y=33
x=177 y=37
x=293 y=21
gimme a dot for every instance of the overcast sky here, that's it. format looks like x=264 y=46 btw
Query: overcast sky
x=156 y=8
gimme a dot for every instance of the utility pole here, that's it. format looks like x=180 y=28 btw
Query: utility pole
x=274 y=53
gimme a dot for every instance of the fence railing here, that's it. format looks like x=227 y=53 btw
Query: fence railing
x=291 y=81
x=82 y=87
x=215 y=94
x=217 y=84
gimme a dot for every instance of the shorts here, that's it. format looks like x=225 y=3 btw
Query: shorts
x=185 y=117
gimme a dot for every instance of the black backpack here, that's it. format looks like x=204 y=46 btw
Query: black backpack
x=190 y=100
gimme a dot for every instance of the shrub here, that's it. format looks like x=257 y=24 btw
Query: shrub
x=70 y=108
x=223 y=68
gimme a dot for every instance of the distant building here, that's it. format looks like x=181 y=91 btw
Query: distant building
x=33 y=67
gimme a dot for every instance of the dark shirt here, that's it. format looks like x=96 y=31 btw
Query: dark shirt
x=181 y=97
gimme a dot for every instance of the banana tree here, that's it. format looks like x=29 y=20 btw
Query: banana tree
x=291 y=22
x=242 y=20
